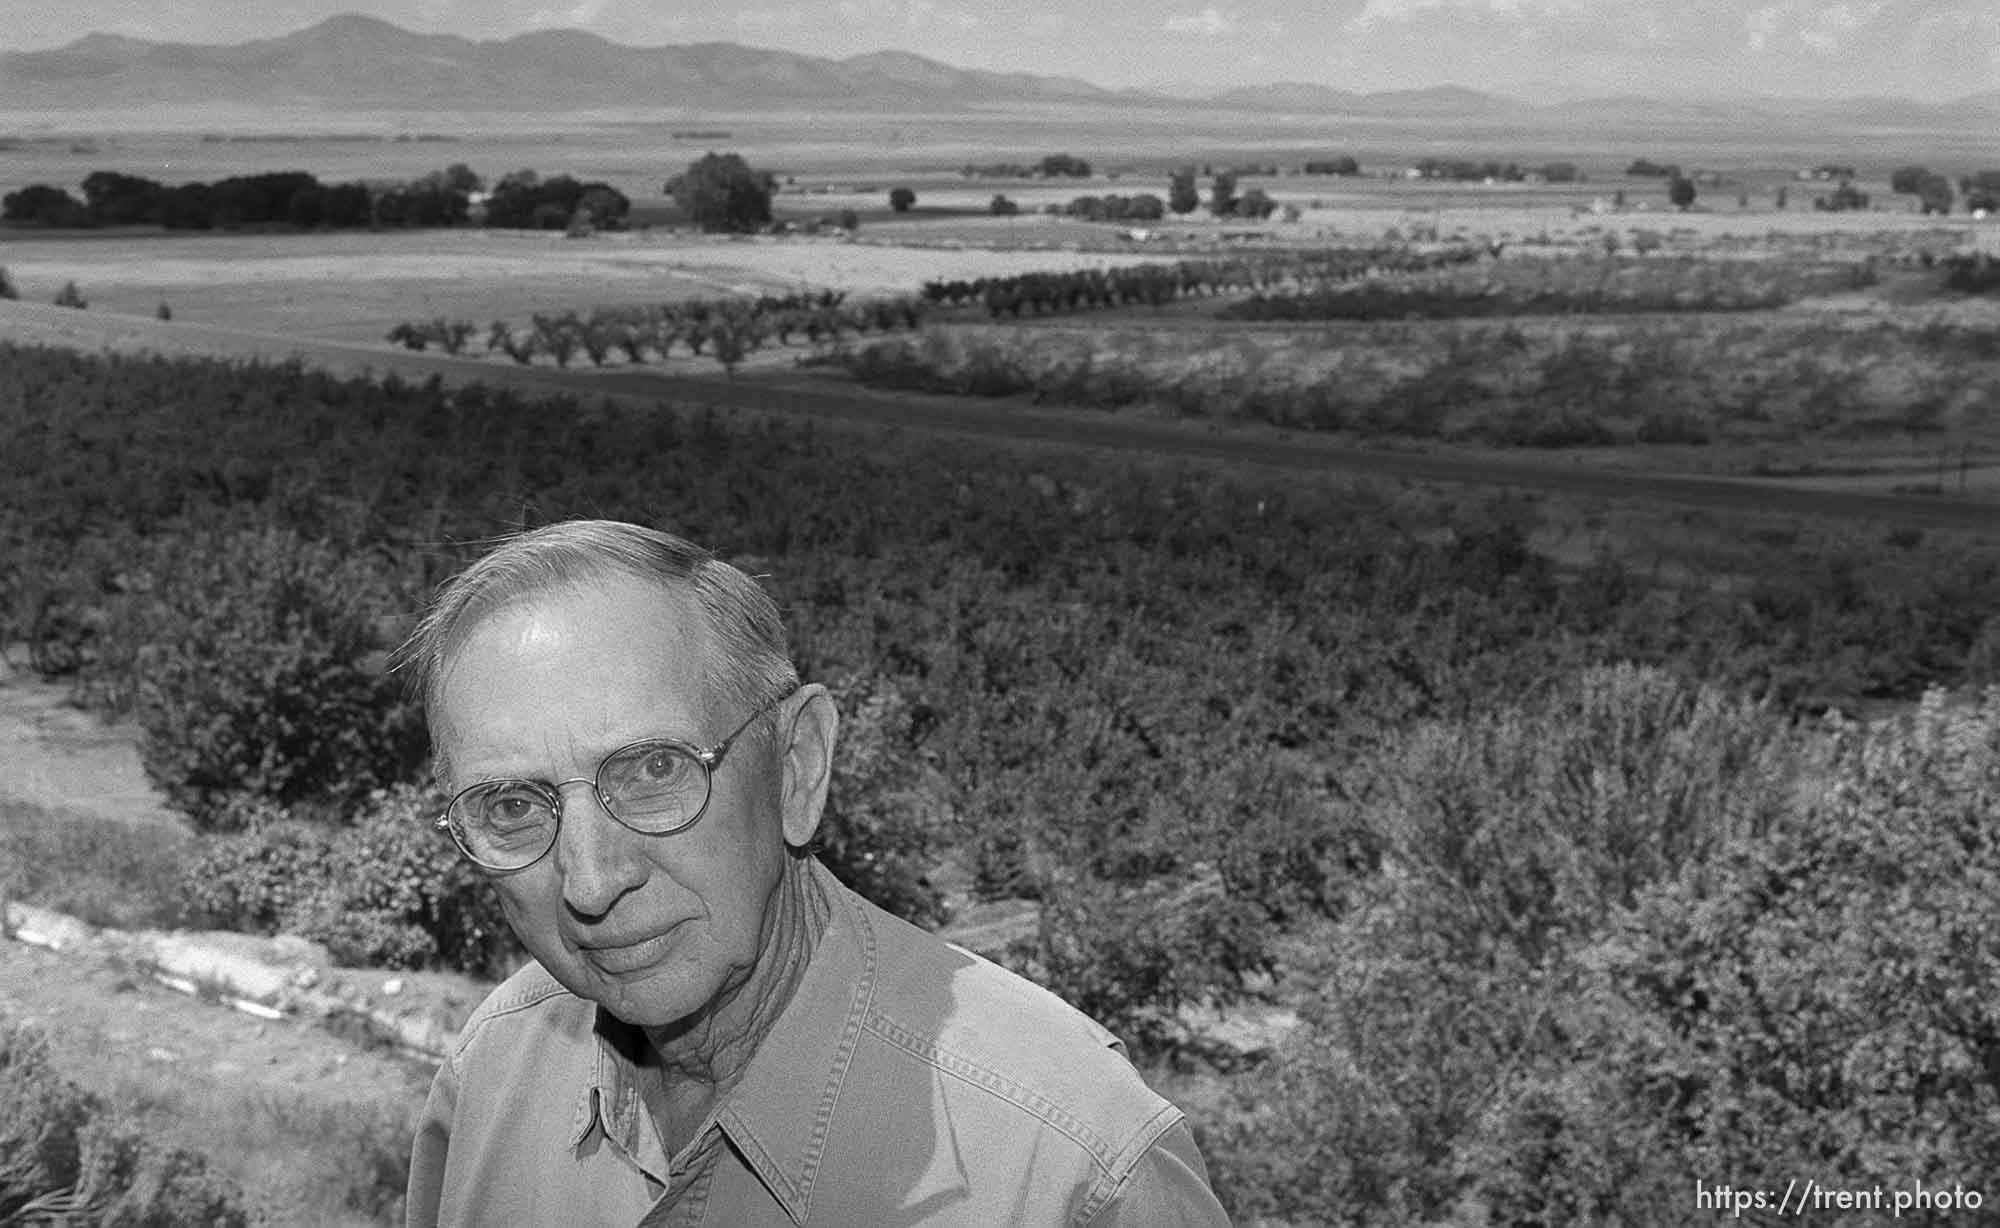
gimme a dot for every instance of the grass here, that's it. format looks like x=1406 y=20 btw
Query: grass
x=299 y=1159
x=110 y=872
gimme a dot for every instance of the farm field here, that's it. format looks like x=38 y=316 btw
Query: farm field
x=355 y=287
x=1563 y=836
x=1877 y=384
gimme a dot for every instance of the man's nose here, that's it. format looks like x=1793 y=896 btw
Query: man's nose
x=599 y=857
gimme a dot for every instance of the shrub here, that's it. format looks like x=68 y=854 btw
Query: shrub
x=7 y=288
x=391 y=891
x=63 y=1160
x=256 y=878
x=70 y=296
x=722 y=193
x=902 y=199
x=1823 y=993
x=1131 y=957
x=1445 y=1065
x=259 y=670
x=882 y=816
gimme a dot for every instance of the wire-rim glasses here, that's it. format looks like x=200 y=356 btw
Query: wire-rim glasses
x=655 y=786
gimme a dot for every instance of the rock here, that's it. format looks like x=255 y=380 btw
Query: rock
x=232 y=967
x=43 y=928
x=1246 y=1033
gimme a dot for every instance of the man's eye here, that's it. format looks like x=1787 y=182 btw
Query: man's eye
x=512 y=810
x=662 y=766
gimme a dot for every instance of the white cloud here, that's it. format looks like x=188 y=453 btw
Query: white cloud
x=1377 y=12
x=1837 y=23
x=1208 y=22
x=1761 y=24
x=760 y=20
x=581 y=14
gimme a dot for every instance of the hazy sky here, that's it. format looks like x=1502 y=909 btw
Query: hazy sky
x=1536 y=49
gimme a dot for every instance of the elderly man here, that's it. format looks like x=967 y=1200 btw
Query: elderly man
x=713 y=1029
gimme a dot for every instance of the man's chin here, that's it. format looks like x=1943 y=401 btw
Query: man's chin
x=655 y=997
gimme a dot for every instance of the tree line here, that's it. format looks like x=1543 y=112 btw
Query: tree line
x=454 y=196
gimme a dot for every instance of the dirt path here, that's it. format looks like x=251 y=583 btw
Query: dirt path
x=776 y=389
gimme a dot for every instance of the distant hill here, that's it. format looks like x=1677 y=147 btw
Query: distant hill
x=360 y=63
x=355 y=62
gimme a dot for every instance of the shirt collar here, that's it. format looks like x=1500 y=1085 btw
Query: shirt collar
x=779 y=1113
x=611 y=1092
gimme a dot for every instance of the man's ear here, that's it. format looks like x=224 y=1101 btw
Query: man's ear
x=807 y=737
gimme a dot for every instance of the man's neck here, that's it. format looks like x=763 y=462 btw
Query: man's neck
x=700 y=1061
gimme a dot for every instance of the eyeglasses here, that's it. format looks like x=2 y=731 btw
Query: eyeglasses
x=656 y=787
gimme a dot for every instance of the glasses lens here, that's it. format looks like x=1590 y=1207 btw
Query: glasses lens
x=504 y=822
x=656 y=786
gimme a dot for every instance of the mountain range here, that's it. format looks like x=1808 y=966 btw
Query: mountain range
x=354 y=62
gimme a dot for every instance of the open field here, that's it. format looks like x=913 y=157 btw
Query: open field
x=355 y=287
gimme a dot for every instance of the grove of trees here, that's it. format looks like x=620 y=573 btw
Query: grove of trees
x=721 y=192
x=298 y=199
x=1933 y=191
x=1144 y=207
x=1063 y=166
x=1222 y=194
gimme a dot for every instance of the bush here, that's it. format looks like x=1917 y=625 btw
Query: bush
x=902 y=199
x=64 y=1161
x=1444 y=1072
x=1131 y=957
x=389 y=892
x=70 y=296
x=1823 y=994
x=722 y=193
x=882 y=815
x=258 y=669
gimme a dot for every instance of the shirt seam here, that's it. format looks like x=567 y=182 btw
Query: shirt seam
x=1036 y=1104
x=527 y=999
x=1109 y=1185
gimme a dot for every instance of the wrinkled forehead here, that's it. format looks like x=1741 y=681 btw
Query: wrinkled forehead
x=598 y=625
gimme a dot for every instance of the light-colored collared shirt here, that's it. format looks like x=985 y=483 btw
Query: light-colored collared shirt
x=907 y=1083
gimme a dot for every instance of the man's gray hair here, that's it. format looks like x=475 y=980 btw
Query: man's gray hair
x=753 y=665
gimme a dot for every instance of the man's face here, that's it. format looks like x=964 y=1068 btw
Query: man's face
x=653 y=928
